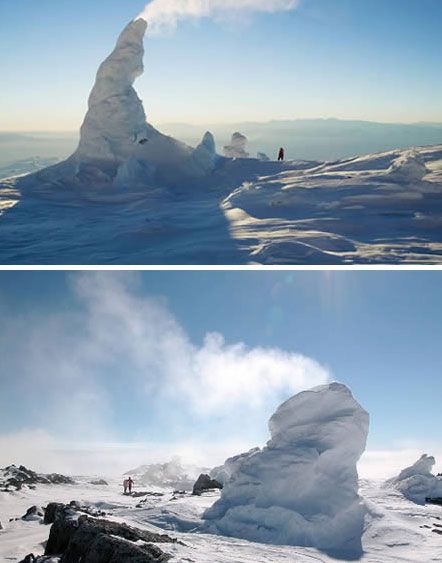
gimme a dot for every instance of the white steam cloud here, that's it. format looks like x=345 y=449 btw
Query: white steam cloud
x=81 y=371
x=163 y=14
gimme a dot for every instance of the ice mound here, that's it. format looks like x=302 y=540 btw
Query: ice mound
x=204 y=155
x=118 y=148
x=417 y=483
x=302 y=488
x=237 y=147
x=408 y=167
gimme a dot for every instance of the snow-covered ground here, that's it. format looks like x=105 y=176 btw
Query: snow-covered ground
x=131 y=195
x=361 y=210
x=396 y=529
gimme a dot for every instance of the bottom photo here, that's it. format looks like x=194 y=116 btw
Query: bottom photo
x=220 y=416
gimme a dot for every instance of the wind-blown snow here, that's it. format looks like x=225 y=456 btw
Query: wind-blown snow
x=302 y=488
x=417 y=482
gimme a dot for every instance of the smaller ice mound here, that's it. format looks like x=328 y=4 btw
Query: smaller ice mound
x=237 y=147
x=409 y=167
x=263 y=157
x=417 y=483
x=302 y=488
x=204 y=155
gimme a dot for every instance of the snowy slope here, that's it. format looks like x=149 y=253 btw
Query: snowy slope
x=132 y=195
x=172 y=474
x=395 y=530
x=384 y=208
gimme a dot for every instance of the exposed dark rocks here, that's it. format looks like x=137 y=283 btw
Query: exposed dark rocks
x=99 y=482
x=29 y=559
x=13 y=477
x=51 y=512
x=79 y=538
x=430 y=500
x=32 y=559
x=33 y=513
x=205 y=483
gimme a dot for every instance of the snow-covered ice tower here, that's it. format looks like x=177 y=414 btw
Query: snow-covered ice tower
x=117 y=146
x=302 y=488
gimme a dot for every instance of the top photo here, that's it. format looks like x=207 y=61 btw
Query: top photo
x=221 y=132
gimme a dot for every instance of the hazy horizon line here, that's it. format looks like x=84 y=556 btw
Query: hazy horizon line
x=247 y=122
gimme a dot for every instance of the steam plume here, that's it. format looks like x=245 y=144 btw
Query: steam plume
x=164 y=14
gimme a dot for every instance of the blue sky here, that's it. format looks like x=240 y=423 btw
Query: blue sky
x=102 y=357
x=363 y=59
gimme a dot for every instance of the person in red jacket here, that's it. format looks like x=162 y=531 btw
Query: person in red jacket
x=281 y=154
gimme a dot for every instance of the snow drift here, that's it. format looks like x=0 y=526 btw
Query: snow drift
x=302 y=488
x=416 y=482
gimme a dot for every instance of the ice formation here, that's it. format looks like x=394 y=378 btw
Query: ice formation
x=409 y=167
x=204 y=155
x=302 y=488
x=117 y=146
x=417 y=483
x=237 y=147
x=224 y=472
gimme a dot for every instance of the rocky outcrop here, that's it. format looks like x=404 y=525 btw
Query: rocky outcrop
x=79 y=538
x=99 y=482
x=53 y=510
x=33 y=513
x=205 y=483
x=14 y=478
x=237 y=147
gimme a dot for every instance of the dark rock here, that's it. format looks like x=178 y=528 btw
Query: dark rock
x=430 y=500
x=17 y=477
x=99 y=482
x=33 y=513
x=106 y=549
x=205 y=483
x=29 y=559
x=82 y=539
x=51 y=512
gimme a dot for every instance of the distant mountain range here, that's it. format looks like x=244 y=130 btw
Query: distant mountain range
x=308 y=139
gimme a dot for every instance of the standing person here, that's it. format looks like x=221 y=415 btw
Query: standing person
x=281 y=154
x=125 y=485
x=129 y=484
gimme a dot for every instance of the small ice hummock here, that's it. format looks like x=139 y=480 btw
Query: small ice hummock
x=417 y=483
x=237 y=147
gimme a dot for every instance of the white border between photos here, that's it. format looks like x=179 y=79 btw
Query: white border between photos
x=255 y=268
